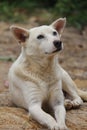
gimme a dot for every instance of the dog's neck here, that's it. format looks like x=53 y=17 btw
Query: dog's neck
x=40 y=62
x=43 y=68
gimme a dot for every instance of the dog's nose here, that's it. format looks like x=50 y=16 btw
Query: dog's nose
x=57 y=44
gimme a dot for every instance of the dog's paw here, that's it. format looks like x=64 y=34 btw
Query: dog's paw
x=68 y=104
x=63 y=128
x=52 y=124
x=54 y=127
x=73 y=104
x=76 y=103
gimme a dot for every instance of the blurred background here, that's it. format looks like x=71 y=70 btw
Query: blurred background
x=73 y=58
x=31 y=13
x=45 y=11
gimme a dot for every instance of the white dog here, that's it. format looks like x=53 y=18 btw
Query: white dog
x=36 y=76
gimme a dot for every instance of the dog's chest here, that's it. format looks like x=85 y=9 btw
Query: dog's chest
x=38 y=73
x=47 y=76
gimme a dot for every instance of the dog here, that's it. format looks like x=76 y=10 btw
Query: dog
x=36 y=77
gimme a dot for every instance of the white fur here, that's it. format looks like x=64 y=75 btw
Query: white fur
x=36 y=76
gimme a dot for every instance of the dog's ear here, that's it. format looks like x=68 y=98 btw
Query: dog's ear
x=20 y=34
x=59 y=24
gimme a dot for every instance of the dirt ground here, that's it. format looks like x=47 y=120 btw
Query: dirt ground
x=73 y=58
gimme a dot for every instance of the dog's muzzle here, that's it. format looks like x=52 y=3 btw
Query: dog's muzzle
x=58 y=45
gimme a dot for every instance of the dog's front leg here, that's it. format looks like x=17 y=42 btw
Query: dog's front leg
x=34 y=99
x=42 y=117
x=60 y=116
x=71 y=88
x=57 y=103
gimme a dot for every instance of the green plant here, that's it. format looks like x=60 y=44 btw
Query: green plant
x=16 y=11
x=9 y=13
x=75 y=11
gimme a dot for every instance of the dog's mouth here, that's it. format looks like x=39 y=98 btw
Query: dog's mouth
x=58 y=49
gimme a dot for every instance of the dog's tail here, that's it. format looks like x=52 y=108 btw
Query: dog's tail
x=82 y=94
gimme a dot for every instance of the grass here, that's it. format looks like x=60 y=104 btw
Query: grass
x=21 y=12
x=16 y=12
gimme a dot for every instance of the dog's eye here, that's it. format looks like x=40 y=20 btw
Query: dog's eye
x=54 y=33
x=40 y=37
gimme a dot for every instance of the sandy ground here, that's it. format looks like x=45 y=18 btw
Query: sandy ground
x=73 y=58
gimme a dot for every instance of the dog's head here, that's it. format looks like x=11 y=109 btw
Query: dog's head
x=42 y=40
